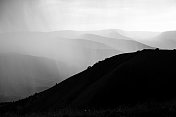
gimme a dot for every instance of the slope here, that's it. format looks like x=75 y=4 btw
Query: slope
x=126 y=79
x=124 y=45
x=22 y=75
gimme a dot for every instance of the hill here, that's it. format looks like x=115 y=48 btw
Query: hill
x=75 y=53
x=124 y=45
x=128 y=79
x=167 y=39
x=23 y=75
x=71 y=55
x=163 y=40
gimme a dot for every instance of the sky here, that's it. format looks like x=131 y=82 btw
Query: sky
x=54 y=15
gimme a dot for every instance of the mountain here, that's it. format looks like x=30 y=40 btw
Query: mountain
x=109 y=33
x=90 y=51
x=145 y=76
x=66 y=57
x=75 y=53
x=168 y=35
x=167 y=40
x=71 y=34
x=58 y=45
x=139 y=35
x=163 y=40
x=120 y=37
x=23 y=75
x=124 y=45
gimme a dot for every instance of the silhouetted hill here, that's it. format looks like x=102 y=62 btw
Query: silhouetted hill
x=126 y=79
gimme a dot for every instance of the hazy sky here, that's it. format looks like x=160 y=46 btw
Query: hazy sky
x=50 y=15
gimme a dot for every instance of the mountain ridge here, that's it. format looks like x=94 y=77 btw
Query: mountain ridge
x=125 y=79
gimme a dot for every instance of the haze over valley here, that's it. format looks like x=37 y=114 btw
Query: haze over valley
x=32 y=60
x=62 y=53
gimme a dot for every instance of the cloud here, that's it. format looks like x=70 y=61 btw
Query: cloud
x=49 y=15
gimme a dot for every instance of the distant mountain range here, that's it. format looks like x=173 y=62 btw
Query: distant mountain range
x=70 y=51
x=145 y=76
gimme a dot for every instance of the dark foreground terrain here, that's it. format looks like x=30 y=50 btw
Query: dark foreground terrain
x=140 y=110
x=139 y=84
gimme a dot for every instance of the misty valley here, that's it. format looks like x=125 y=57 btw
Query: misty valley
x=31 y=62
x=87 y=58
x=87 y=73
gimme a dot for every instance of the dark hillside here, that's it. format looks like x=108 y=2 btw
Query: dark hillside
x=126 y=79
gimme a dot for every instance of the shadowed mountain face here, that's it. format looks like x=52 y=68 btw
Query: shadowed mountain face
x=131 y=78
x=23 y=75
